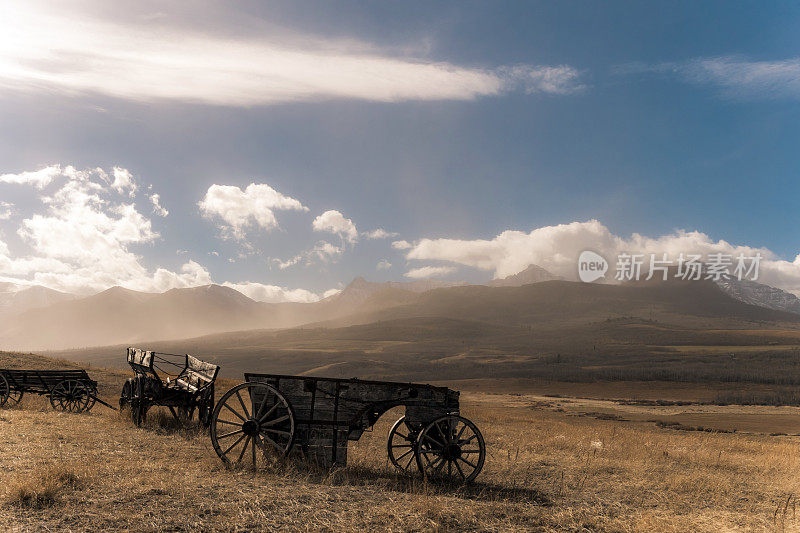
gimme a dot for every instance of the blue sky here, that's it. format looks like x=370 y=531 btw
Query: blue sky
x=446 y=124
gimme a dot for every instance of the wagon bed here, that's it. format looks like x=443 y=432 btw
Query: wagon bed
x=68 y=389
x=275 y=414
x=181 y=382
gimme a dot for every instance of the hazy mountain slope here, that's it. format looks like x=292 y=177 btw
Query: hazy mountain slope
x=532 y=274
x=14 y=301
x=121 y=315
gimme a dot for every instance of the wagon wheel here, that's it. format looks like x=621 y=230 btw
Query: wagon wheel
x=137 y=401
x=92 y=400
x=70 y=395
x=8 y=396
x=249 y=417
x=125 y=395
x=401 y=447
x=451 y=446
x=139 y=407
x=204 y=410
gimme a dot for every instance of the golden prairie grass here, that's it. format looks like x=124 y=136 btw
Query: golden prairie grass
x=45 y=484
x=545 y=471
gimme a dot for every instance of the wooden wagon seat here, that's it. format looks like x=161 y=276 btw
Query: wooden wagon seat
x=196 y=375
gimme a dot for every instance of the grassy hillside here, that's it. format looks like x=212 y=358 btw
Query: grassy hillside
x=695 y=304
x=448 y=349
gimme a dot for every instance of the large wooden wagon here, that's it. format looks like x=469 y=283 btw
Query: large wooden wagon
x=271 y=416
x=68 y=390
x=182 y=383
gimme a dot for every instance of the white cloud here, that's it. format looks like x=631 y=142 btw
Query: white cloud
x=283 y=265
x=556 y=248
x=325 y=251
x=735 y=77
x=321 y=252
x=334 y=222
x=401 y=245
x=5 y=210
x=155 y=199
x=383 y=264
x=69 y=49
x=81 y=241
x=331 y=292
x=273 y=293
x=429 y=272
x=562 y=79
x=379 y=233
x=123 y=181
x=38 y=178
x=240 y=209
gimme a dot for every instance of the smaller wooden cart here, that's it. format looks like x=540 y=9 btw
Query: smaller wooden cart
x=182 y=383
x=69 y=390
x=272 y=415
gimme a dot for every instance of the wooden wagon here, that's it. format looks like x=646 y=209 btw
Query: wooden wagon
x=271 y=416
x=182 y=383
x=68 y=390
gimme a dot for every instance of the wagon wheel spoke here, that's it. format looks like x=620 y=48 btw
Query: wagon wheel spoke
x=470 y=464
x=229 y=422
x=278 y=431
x=460 y=471
x=436 y=442
x=401 y=456
x=410 y=461
x=241 y=402
x=272 y=442
x=232 y=446
x=461 y=432
x=231 y=434
x=229 y=408
x=275 y=421
x=244 y=449
x=263 y=417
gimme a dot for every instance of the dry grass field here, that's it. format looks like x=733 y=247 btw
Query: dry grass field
x=550 y=467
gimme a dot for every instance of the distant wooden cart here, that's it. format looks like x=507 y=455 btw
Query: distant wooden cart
x=68 y=390
x=182 y=383
x=271 y=415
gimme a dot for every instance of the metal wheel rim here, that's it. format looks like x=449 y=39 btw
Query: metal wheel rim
x=125 y=395
x=401 y=446
x=451 y=447
x=71 y=396
x=252 y=423
x=5 y=390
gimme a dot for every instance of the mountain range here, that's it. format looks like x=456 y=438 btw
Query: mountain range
x=39 y=318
